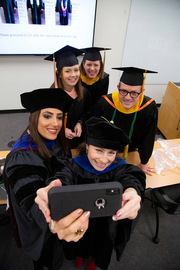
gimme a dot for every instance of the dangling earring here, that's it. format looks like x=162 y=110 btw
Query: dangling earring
x=86 y=151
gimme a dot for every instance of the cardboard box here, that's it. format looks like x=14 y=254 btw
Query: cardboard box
x=169 y=112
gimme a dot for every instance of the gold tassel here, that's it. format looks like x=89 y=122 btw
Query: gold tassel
x=55 y=77
x=125 y=153
x=103 y=64
x=65 y=121
x=142 y=87
x=144 y=80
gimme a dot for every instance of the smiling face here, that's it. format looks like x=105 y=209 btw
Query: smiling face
x=70 y=76
x=100 y=158
x=127 y=101
x=91 y=68
x=50 y=123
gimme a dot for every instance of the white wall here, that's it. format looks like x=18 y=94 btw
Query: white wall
x=153 y=39
x=19 y=74
x=25 y=73
x=110 y=32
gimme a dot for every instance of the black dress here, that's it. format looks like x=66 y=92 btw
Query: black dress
x=103 y=233
x=24 y=173
x=144 y=128
x=79 y=111
x=98 y=88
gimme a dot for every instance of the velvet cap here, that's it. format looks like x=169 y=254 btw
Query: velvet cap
x=93 y=53
x=46 y=98
x=104 y=134
x=65 y=57
x=133 y=75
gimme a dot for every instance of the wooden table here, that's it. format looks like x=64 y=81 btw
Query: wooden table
x=3 y=155
x=166 y=178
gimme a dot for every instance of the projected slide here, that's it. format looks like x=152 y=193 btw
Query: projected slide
x=44 y=26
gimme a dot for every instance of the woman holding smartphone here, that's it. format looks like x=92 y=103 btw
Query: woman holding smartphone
x=28 y=168
x=101 y=164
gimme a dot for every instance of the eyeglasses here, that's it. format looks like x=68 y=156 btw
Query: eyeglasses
x=133 y=94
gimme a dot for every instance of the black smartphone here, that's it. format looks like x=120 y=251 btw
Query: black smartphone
x=101 y=199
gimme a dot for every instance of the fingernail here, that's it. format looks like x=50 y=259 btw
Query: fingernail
x=119 y=214
x=87 y=214
x=114 y=218
x=80 y=211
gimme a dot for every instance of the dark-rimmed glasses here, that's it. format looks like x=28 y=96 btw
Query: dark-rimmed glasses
x=124 y=93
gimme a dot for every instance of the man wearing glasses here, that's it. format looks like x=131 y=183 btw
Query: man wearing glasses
x=132 y=111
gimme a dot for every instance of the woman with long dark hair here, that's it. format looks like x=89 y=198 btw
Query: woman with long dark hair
x=28 y=168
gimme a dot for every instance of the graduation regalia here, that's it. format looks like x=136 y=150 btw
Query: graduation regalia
x=103 y=233
x=79 y=111
x=144 y=128
x=138 y=122
x=35 y=6
x=24 y=173
x=8 y=7
x=62 y=7
x=97 y=86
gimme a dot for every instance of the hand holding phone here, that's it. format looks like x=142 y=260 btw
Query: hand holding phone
x=101 y=199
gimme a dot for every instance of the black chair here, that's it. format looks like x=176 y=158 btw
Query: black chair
x=167 y=198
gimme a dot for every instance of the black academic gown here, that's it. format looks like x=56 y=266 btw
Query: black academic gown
x=24 y=173
x=143 y=135
x=62 y=15
x=103 y=233
x=79 y=111
x=35 y=10
x=8 y=7
x=98 y=88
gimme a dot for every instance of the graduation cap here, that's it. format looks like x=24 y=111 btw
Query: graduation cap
x=133 y=75
x=93 y=54
x=46 y=98
x=65 y=57
x=104 y=134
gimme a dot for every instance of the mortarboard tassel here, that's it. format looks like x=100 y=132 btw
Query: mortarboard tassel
x=55 y=77
x=65 y=121
x=143 y=86
x=103 y=64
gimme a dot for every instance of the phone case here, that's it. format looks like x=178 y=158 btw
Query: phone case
x=101 y=199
